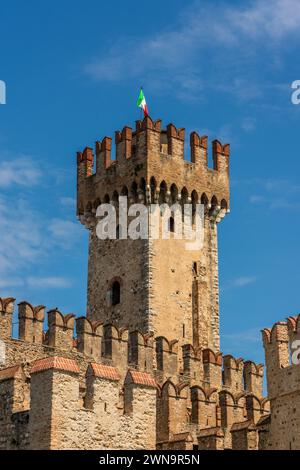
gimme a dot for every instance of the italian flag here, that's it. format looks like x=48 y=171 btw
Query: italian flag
x=141 y=102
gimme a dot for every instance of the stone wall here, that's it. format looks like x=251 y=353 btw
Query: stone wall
x=283 y=380
x=98 y=386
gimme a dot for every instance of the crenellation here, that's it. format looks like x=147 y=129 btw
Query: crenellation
x=212 y=364
x=192 y=363
x=103 y=155
x=115 y=345
x=172 y=410
x=204 y=403
x=233 y=373
x=6 y=317
x=61 y=330
x=89 y=337
x=281 y=353
x=293 y=324
x=276 y=344
x=141 y=351
x=123 y=142
x=256 y=408
x=253 y=378
x=31 y=322
x=85 y=164
x=199 y=149
x=232 y=410
x=175 y=141
x=167 y=356
x=149 y=151
x=221 y=156
x=110 y=372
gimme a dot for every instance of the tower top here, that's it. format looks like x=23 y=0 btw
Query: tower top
x=147 y=158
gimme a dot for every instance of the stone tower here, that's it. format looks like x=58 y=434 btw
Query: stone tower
x=156 y=286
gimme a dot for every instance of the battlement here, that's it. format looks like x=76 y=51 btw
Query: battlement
x=93 y=340
x=282 y=351
x=98 y=371
x=170 y=141
x=6 y=312
x=125 y=348
x=55 y=393
x=149 y=161
x=31 y=320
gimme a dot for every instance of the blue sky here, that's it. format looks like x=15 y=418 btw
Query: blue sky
x=73 y=72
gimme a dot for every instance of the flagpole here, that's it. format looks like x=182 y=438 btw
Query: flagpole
x=141 y=108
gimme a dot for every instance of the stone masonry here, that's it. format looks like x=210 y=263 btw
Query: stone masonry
x=156 y=276
x=281 y=430
x=143 y=369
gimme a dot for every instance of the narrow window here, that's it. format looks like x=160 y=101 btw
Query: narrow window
x=172 y=225
x=183 y=330
x=195 y=268
x=115 y=293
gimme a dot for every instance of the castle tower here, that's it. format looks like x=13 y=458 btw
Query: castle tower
x=156 y=285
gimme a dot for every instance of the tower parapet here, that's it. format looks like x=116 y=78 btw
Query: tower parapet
x=144 y=156
x=282 y=353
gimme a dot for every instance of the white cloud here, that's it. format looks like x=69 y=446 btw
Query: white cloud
x=256 y=199
x=243 y=281
x=248 y=124
x=28 y=238
x=68 y=202
x=274 y=193
x=21 y=171
x=238 y=282
x=64 y=232
x=11 y=282
x=21 y=235
x=49 y=282
x=208 y=37
x=252 y=335
x=35 y=282
x=271 y=18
